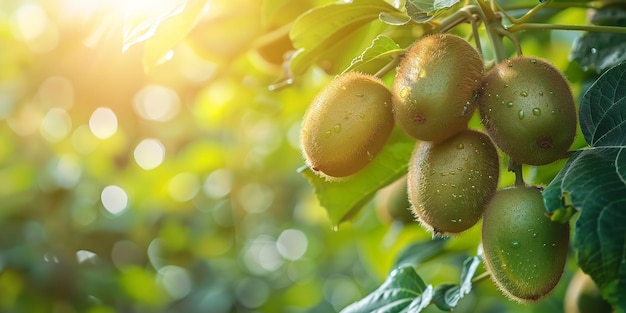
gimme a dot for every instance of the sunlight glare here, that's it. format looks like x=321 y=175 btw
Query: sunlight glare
x=114 y=199
x=103 y=123
x=157 y=103
x=149 y=154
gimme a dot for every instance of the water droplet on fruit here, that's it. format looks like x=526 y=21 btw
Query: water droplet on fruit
x=453 y=221
x=534 y=235
x=552 y=93
x=506 y=85
x=343 y=87
x=337 y=128
x=553 y=112
x=465 y=110
x=536 y=111
x=509 y=104
x=520 y=114
x=515 y=244
x=369 y=155
x=327 y=133
x=541 y=93
x=453 y=185
x=523 y=94
x=498 y=97
x=460 y=146
x=594 y=50
x=405 y=92
x=438 y=191
x=533 y=61
x=510 y=64
x=360 y=95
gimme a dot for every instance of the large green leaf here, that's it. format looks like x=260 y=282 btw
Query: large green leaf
x=447 y=296
x=593 y=181
x=382 y=51
x=344 y=198
x=318 y=30
x=403 y=291
x=599 y=50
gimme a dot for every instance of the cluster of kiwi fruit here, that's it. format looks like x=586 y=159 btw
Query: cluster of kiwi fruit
x=528 y=112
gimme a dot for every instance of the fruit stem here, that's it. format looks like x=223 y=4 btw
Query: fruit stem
x=526 y=16
x=389 y=66
x=481 y=277
x=517 y=169
x=589 y=28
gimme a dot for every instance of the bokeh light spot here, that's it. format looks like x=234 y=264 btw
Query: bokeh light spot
x=184 y=186
x=292 y=244
x=30 y=21
x=103 y=123
x=156 y=103
x=114 y=199
x=55 y=125
x=218 y=184
x=149 y=154
x=175 y=280
x=255 y=198
x=252 y=292
x=67 y=171
x=262 y=255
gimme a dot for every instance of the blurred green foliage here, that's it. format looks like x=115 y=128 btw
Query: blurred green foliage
x=177 y=190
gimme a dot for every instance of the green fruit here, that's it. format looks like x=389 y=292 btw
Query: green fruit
x=528 y=110
x=450 y=183
x=434 y=87
x=347 y=124
x=392 y=203
x=583 y=296
x=523 y=250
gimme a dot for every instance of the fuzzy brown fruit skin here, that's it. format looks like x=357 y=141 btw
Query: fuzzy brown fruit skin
x=347 y=124
x=450 y=183
x=528 y=109
x=523 y=250
x=434 y=87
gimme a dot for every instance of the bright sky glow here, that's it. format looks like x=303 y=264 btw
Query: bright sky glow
x=114 y=199
x=103 y=123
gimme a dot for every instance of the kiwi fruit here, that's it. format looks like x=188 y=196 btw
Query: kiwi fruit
x=524 y=251
x=527 y=108
x=347 y=124
x=451 y=182
x=435 y=85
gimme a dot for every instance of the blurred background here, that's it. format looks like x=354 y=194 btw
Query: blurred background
x=176 y=189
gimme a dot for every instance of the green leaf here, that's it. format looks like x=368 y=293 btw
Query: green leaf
x=594 y=182
x=423 y=11
x=430 y=6
x=603 y=110
x=344 y=198
x=380 y=52
x=447 y=296
x=161 y=33
x=599 y=50
x=403 y=291
x=318 y=30
x=420 y=252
